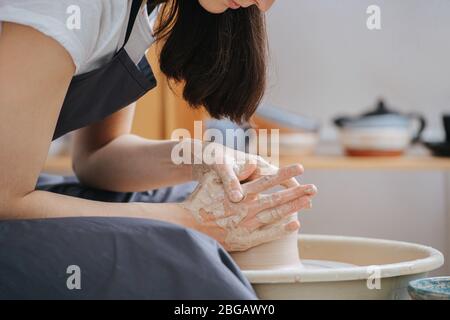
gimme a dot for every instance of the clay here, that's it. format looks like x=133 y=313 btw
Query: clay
x=209 y=203
x=241 y=239
x=276 y=255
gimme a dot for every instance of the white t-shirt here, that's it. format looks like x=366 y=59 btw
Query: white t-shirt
x=101 y=31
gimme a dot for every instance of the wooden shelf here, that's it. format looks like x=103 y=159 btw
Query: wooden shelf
x=340 y=162
x=62 y=165
x=329 y=156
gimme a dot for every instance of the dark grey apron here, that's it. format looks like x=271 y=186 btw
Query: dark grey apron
x=95 y=95
x=118 y=258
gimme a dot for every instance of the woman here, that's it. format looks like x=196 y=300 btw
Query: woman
x=57 y=78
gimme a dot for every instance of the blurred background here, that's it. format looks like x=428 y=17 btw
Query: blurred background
x=326 y=63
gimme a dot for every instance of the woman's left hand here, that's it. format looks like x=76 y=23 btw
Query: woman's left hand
x=234 y=166
x=257 y=219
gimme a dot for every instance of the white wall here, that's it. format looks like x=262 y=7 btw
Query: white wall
x=388 y=205
x=326 y=62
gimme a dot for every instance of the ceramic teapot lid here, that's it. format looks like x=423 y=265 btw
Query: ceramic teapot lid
x=380 y=109
x=380 y=116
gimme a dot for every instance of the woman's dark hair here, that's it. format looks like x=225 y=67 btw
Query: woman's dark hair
x=221 y=58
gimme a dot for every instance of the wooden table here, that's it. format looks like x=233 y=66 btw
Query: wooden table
x=328 y=157
x=341 y=162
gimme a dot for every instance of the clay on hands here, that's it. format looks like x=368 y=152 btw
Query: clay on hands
x=255 y=220
x=232 y=166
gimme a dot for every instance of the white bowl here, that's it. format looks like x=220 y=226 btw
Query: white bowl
x=298 y=143
x=394 y=140
x=361 y=261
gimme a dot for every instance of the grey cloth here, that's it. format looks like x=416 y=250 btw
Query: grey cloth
x=70 y=185
x=118 y=258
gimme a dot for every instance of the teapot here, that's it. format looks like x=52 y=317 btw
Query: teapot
x=380 y=132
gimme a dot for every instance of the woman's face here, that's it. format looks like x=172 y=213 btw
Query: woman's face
x=219 y=6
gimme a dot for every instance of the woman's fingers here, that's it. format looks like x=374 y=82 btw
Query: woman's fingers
x=245 y=171
x=230 y=181
x=269 y=181
x=272 y=215
x=291 y=183
x=274 y=232
x=291 y=226
x=270 y=169
x=279 y=198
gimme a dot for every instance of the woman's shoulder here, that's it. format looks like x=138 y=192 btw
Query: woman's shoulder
x=87 y=29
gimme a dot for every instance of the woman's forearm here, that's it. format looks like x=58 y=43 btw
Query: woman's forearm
x=131 y=163
x=43 y=204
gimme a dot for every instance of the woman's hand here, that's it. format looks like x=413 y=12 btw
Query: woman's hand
x=257 y=218
x=232 y=167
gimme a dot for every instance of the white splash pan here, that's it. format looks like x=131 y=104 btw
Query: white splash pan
x=396 y=262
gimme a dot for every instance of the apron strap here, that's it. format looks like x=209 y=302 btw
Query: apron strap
x=135 y=6
x=151 y=5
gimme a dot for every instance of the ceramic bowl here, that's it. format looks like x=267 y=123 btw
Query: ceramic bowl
x=437 y=288
x=369 y=269
x=373 y=141
x=298 y=143
x=439 y=149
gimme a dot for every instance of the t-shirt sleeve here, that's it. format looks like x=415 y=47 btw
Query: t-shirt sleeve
x=58 y=20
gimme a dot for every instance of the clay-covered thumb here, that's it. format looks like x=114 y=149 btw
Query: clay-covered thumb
x=244 y=171
x=230 y=182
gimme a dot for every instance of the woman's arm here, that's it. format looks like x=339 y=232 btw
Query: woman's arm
x=107 y=156
x=35 y=72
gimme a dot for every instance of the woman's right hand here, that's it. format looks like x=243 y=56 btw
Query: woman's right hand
x=258 y=218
